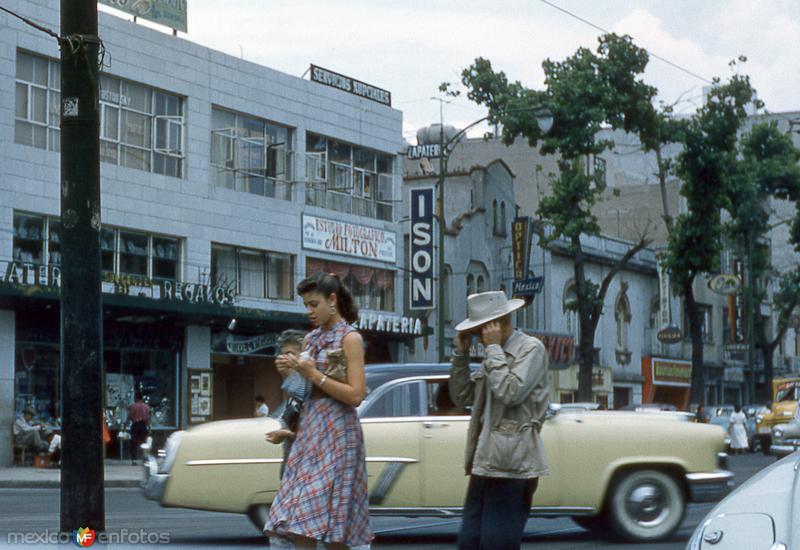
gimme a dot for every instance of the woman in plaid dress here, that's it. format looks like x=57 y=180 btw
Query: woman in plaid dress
x=323 y=498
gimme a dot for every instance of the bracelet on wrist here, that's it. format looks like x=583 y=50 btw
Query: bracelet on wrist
x=323 y=380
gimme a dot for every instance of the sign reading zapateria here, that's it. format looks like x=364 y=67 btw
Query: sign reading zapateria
x=349 y=239
x=351 y=85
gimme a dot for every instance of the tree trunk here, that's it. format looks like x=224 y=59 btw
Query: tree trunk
x=698 y=392
x=585 y=333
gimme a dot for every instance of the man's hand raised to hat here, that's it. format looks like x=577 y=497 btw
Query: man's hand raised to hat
x=491 y=333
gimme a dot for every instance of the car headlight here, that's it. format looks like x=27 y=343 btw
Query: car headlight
x=170 y=452
x=777 y=433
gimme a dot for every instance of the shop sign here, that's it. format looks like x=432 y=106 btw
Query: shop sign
x=350 y=85
x=527 y=287
x=669 y=335
x=388 y=323
x=673 y=372
x=239 y=346
x=739 y=321
x=724 y=284
x=197 y=293
x=520 y=246
x=431 y=151
x=663 y=294
x=602 y=379
x=170 y=13
x=28 y=274
x=348 y=239
x=421 y=253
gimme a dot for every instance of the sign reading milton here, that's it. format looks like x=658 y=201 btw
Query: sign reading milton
x=347 y=84
x=349 y=239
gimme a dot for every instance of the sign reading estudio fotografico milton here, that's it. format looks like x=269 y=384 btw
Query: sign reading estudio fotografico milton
x=349 y=239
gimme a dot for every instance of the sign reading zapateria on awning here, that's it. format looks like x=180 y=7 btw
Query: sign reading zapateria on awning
x=351 y=85
x=170 y=13
x=349 y=239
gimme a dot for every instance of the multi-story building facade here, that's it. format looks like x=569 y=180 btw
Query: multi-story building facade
x=224 y=183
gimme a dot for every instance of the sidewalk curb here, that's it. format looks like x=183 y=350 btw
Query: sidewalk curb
x=52 y=484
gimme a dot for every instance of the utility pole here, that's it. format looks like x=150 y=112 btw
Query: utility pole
x=440 y=214
x=82 y=499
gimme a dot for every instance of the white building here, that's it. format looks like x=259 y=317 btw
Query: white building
x=224 y=183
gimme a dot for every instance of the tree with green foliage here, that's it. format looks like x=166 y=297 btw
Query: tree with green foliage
x=704 y=165
x=767 y=168
x=584 y=93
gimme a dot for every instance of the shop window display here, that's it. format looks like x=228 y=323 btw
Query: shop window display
x=372 y=288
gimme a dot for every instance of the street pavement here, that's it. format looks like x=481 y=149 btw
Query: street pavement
x=35 y=511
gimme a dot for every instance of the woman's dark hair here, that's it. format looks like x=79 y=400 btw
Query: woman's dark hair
x=327 y=284
x=737 y=408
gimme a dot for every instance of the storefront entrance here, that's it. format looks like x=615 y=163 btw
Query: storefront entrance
x=238 y=380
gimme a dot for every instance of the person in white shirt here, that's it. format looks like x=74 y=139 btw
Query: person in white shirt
x=261 y=407
x=28 y=433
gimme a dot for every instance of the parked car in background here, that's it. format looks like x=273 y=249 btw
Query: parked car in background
x=786 y=437
x=785 y=397
x=650 y=407
x=761 y=513
x=631 y=472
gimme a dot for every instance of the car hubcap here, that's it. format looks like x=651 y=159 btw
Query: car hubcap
x=647 y=504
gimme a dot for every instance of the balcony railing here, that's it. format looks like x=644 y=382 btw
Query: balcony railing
x=318 y=195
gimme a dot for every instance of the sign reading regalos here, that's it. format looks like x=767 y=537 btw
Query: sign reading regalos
x=350 y=85
x=349 y=239
x=421 y=248
x=170 y=13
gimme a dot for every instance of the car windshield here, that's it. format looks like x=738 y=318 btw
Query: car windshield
x=788 y=392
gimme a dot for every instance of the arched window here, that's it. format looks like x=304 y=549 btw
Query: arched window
x=470 y=284
x=571 y=315
x=502 y=228
x=481 y=285
x=494 y=217
x=622 y=316
x=655 y=312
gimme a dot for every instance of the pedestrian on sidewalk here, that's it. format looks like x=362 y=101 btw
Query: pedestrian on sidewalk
x=139 y=415
x=322 y=500
x=508 y=394
x=737 y=428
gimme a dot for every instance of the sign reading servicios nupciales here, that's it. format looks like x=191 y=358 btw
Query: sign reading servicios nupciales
x=350 y=85
x=170 y=13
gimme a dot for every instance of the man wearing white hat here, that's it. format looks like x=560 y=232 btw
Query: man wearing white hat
x=508 y=395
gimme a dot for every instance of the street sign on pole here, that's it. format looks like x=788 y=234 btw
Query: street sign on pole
x=421 y=252
x=527 y=287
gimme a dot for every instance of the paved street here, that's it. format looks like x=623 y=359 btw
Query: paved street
x=36 y=510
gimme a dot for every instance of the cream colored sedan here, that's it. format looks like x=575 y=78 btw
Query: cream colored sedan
x=633 y=471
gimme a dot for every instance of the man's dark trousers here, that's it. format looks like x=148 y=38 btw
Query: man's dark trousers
x=495 y=513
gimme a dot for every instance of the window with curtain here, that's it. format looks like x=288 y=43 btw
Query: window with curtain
x=372 y=288
x=570 y=315
x=622 y=317
x=254 y=273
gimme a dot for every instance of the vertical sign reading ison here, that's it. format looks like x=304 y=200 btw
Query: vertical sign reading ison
x=421 y=251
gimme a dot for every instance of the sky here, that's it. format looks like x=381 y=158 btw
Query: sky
x=410 y=47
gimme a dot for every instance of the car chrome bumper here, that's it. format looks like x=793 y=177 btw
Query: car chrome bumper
x=782 y=450
x=153 y=483
x=709 y=486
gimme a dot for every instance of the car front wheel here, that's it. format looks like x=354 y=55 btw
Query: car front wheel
x=646 y=505
x=258 y=516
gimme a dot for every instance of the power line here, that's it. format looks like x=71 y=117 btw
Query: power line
x=598 y=27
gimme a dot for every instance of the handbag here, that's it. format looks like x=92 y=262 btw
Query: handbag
x=337 y=365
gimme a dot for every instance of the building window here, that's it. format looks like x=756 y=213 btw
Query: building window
x=600 y=170
x=348 y=178
x=141 y=127
x=250 y=154
x=726 y=326
x=254 y=273
x=622 y=316
x=470 y=284
x=480 y=284
x=502 y=227
x=372 y=288
x=37 y=102
x=495 y=230
x=145 y=255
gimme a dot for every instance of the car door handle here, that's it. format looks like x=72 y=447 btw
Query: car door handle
x=430 y=425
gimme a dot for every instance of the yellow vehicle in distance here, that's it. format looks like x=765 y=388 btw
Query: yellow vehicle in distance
x=785 y=396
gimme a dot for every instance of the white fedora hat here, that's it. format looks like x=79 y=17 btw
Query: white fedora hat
x=487 y=306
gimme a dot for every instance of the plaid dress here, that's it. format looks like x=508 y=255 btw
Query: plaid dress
x=323 y=494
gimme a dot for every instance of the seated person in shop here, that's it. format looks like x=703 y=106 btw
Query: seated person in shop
x=28 y=433
x=261 y=406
